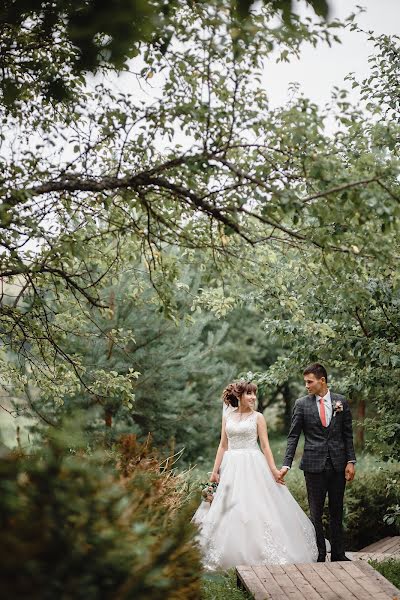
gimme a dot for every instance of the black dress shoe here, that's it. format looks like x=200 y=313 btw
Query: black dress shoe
x=339 y=558
x=321 y=558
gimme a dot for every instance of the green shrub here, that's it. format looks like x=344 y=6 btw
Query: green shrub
x=366 y=501
x=222 y=586
x=389 y=569
x=76 y=527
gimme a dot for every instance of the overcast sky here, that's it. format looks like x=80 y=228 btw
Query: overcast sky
x=319 y=69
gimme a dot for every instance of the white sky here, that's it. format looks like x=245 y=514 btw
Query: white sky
x=321 y=68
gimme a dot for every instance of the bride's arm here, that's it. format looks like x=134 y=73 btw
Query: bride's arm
x=265 y=447
x=223 y=445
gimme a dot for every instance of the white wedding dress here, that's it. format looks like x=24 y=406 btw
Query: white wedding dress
x=252 y=520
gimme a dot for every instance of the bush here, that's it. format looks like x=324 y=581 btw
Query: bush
x=80 y=527
x=389 y=569
x=366 y=502
x=222 y=586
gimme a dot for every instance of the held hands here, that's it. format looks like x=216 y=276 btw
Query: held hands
x=279 y=475
x=349 y=472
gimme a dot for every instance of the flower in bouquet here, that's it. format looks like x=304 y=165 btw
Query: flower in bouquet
x=208 y=490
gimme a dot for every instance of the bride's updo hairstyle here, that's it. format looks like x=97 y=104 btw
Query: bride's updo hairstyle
x=232 y=393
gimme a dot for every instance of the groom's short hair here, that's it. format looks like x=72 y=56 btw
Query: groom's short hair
x=318 y=370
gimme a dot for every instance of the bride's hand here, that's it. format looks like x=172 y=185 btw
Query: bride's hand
x=278 y=477
x=214 y=477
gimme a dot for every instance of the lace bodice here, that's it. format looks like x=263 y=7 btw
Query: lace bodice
x=241 y=431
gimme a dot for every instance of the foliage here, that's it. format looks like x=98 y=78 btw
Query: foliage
x=87 y=191
x=388 y=568
x=72 y=526
x=142 y=369
x=45 y=46
x=267 y=195
x=393 y=513
x=365 y=508
x=341 y=308
x=112 y=203
x=222 y=586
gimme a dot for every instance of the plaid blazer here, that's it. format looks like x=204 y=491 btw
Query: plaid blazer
x=335 y=441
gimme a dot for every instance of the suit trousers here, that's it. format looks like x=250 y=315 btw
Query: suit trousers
x=333 y=483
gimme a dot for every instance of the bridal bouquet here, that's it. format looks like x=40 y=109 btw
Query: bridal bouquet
x=208 y=490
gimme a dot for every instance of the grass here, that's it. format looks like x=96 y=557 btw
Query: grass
x=388 y=568
x=222 y=586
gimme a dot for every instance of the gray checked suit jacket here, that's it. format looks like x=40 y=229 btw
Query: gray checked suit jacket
x=335 y=441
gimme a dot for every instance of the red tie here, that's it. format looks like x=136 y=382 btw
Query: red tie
x=322 y=412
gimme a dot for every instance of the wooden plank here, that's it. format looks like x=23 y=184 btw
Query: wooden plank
x=395 y=543
x=243 y=568
x=366 y=556
x=287 y=586
x=328 y=575
x=352 y=569
x=317 y=581
x=352 y=586
x=284 y=582
x=268 y=581
x=369 y=586
x=386 y=545
x=302 y=584
x=331 y=575
x=341 y=590
x=385 y=585
x=375 y=546
x=275 y=569
x=291 y=569
x=355 y=588
x=252 y=584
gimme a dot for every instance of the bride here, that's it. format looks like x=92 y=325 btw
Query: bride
x=253 y=518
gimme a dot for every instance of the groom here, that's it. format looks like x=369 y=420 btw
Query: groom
x=328 y=459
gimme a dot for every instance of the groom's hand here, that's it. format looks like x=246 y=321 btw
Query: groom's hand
x=278 y=477
x=283 y=472
x=349 y=472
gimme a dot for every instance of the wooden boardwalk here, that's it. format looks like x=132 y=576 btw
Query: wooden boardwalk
x=389 y=545
x=387 y=548
x=316 y=581
x=378 y=556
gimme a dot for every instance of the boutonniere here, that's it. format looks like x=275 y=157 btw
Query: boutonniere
x=337 y=407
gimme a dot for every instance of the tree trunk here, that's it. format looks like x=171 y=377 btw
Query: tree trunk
x=108 y=418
